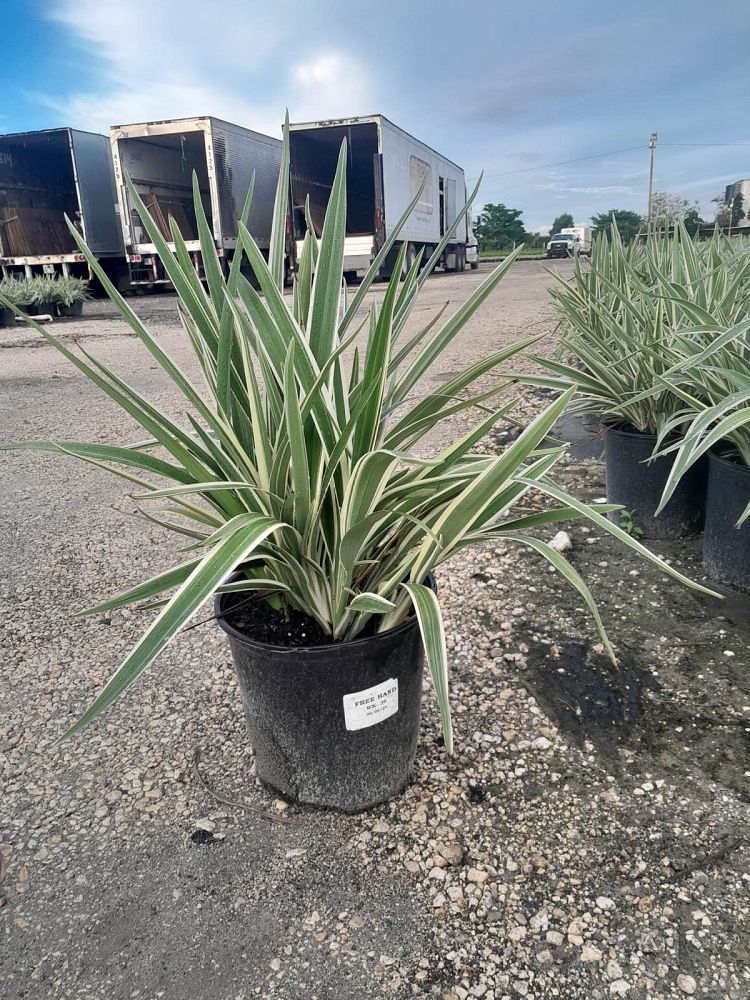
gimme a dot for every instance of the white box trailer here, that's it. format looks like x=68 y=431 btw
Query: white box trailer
x=385 y=167
x=44 y=176
x=160 y=158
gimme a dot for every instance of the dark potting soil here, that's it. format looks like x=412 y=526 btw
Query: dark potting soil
x=256 y=619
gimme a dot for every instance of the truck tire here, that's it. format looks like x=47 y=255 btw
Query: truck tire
x=409 y=258
x=461 y=258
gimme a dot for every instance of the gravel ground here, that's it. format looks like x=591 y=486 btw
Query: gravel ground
x=587 y=840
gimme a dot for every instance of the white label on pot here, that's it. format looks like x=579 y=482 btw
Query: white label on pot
x=373 y=705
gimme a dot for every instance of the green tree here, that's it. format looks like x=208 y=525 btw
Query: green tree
x=668 y=209
x=722 y=210
x=736 y=211
x=498 y=227
x=564 y=221
x=629 y=223
x=693 y=220
x=729 y=213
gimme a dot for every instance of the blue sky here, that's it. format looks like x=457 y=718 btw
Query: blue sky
x=501 y=85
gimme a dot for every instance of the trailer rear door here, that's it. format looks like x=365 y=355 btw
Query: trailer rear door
x=161 y=165
x=314 y=154
x=96 y=191
x=37 y=191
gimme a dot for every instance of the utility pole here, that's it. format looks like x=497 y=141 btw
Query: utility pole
x=731 y=213
x=652 y=147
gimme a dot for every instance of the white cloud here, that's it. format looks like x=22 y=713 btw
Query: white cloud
x=329 y=86
x=179 y=58
x=588 y=189
x=98 y=111
x=169 y=39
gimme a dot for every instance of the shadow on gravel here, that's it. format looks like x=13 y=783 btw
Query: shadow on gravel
x=628 y=716
x=586 y=696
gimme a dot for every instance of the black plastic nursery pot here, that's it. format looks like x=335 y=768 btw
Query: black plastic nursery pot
x=332 y=725
x=74 y=309
x=726 y=548
x=638 y=486
x=7 y=317
x=39 y=309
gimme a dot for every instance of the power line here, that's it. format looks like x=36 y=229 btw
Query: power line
x=561 y=163
x=597 y=156
x=704 y=144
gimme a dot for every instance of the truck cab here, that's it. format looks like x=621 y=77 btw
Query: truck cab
x=559 y=245
x=569 y=242
x=472 y=250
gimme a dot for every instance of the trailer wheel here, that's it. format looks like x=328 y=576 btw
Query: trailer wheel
x=461 y=258
x=409 y=258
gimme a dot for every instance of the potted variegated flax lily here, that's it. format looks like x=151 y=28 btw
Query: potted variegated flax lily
x=628 y=321
x=313 y=523
x=712 y=379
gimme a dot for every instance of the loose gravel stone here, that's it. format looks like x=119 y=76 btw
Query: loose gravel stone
x=590 y=954
x=687 y=984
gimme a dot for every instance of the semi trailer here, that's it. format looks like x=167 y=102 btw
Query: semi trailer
x=44 y=176
x=385 y=169
x=160 y=158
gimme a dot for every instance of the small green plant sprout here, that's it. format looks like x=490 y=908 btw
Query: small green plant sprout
x=628 y=523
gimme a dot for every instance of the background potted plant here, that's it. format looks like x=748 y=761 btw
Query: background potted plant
x=12 y=291
x=624 y=319
x=311 y=517
x=69 y=295
x=43 y=294
x=713 y=382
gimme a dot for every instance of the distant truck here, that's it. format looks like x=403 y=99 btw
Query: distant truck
x=385 y=168
x=44 y=176
x=472 y=250
x=160 y=158
x=571 y=241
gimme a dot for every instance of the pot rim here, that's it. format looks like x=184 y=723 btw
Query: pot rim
x=738 y=467
x=613 y=429
x=325 y=649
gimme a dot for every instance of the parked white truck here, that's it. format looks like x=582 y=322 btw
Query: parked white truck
x=160 y=158
x=385 y=168
x=44 y=176
x=566 y=243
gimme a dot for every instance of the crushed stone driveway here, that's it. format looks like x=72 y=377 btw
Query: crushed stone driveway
x=531 y=864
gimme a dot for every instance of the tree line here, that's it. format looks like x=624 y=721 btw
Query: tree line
x=498 y=227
